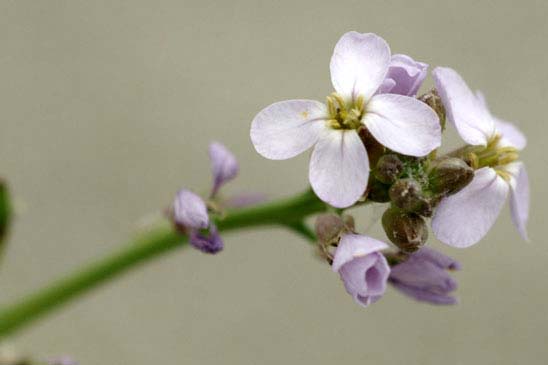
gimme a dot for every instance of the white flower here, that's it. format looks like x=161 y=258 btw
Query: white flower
x=339 y=166
x=461 y=220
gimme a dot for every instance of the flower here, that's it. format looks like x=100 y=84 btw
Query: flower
x=339 y=166
x=404 y=76
x=462 y=219
x=424 y=277
x=363 y=269
x=190 y=211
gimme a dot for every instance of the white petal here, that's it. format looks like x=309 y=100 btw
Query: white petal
x=461 y=220
x=403 y=124
x=467 y=113
x=359 y=64
x=519 y=197
x=339 y=168
x=511 y=135
x=288 y=128
x=355 y=245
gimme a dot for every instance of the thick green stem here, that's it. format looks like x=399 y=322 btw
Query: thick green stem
x=289 y=213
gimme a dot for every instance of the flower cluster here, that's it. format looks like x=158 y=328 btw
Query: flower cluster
x=375 y=140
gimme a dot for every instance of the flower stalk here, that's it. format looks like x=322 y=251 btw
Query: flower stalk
x=288 y=213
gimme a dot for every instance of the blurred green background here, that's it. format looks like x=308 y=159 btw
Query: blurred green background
x=106 y=110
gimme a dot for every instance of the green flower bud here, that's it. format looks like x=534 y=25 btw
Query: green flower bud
x=389 y=168
x=450 y=175
x=407 y=194
x=377 y=191
x=408 y=231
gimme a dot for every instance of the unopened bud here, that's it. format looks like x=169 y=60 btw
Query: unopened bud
x=328 y=227
x=377 y=191
x=407 y=194
x=450 y=175
x=408 y=231
x=389 y=168
x=433 y=100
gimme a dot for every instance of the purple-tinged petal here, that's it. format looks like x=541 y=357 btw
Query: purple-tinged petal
x=510 y=135
x=437 y=258
x=425 y=296
x=405 y=76
x=339 y=168
x=190 y=210
x=462 y=219
x=519 y=197
x=359 y=64
x=403 y=124
x=423 y=276
x=464 y=109
x=352 y=246
x=224 y=166
x=207 y=243
x=288 y=128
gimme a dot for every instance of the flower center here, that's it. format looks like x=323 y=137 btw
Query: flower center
x=343 y=114
x=493 y=156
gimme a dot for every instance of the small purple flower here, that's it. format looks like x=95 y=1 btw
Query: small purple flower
x=190 y=211
x=224 y=166
x=363 y=269
x=339 y=166
x=405 y=76
x=462 y=219
x=424 y=277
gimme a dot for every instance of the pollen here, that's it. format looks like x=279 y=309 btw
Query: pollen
x=304 y=114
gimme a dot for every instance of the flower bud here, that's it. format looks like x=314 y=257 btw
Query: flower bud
x=408 y=231
x=433 y=100
x=450 y=175
x=389 y=168
x=407 y=194
x=377 y=191
x=328 y=227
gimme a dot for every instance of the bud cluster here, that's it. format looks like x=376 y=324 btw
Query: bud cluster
x=414 y=186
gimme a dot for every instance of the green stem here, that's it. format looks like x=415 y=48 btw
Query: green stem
x=289 y=213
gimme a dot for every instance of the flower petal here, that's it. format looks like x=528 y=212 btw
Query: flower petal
x=224 y=165
x=519 y=197
x=462 y=219
x=511 y=135
x=339 y=168
x=355 y=245
x=288 y=128
x=437 y=258
x=210 y=242
x=190 y=210
x=467 y=113
x=359 y=64
x=403 y=124
x=425 y=296
x=404 y=77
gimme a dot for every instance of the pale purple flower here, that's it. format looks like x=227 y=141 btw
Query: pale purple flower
x=424 y=277
x=339 y=166
x=462 y=219
x=405 y=76
x=190 y=214
x=224 y=166
x=363 y=269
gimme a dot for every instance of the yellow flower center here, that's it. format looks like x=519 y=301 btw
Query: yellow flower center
x=492 y=155
x=343 y=114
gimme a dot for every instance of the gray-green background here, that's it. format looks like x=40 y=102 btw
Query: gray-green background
x=106 y=109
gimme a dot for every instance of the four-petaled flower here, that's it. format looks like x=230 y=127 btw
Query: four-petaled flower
x=339 y=166
x=424 y=277
x=363 y=269
x=461 y=220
